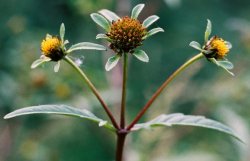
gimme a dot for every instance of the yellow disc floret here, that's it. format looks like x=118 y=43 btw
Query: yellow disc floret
x=218 y=47
x=51 y=47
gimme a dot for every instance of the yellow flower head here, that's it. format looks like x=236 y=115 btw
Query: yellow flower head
x=126 y=34
x=218 y=46
x=51 y=47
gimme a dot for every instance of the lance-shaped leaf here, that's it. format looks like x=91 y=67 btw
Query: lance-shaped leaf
x=62 y=32
x=109 y=15
x=141 y=55
x=208 y=30
x=153 y=31
x=101 y=21
x=137 y=10
x=195 y=45
x=60 y=110
x=186 y=120
x=85 y=46
x=150 y=20
x=112 y=61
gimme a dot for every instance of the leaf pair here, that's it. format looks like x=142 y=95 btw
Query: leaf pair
x=162 y=120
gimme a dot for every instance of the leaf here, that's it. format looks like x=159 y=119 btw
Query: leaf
x=186 y=120
x=223 y=64
x=100 y=20
x=112 y=61
x=86 y=46
x=109 y=15
x=153 y=31
x=60 y=110
x=150 y=20
x=195 y=45
x=62 y=32
x=141 y=55
x=208 y=30
x=102 y=36
x=137 y=10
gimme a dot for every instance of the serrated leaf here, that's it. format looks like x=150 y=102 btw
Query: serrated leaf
x=60 y=110
x=141 y=55
x=186 y=120
x=101 y=21
x=137 y=10
x=112 y=61
x=102 y=36
x=150 y=20
x=153 y=31
x=195 y=45
x=85 y=46
x=223 y=64
x=62 y=32
x=109 y=15
x=208 y=30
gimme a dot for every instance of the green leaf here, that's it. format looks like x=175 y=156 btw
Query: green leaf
x=137 y=10
x=150 y=20
x=141 y=55
x=102 y=36
x=101 y=21
x=86 y=46
x=195 y=45
x=208 y=30
x=62 y=32
x=60 y=110
x=153 y=31
x=226 y=65
x=186 y=120
x=112 y=61
x=109 y=15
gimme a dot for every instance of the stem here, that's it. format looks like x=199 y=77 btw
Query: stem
x=93 y=89
x=124 y=86
x=120 y=145
x=160 y=89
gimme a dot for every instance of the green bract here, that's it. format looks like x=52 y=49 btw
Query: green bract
x=54 y=49
x=125 y=34
x=214 y=49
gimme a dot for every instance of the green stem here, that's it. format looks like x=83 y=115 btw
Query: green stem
x=160 y=89
x=93 y=89
x=124 y=86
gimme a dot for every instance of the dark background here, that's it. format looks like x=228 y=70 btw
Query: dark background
x=203 y=89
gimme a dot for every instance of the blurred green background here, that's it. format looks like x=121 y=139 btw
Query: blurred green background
x=203 y=89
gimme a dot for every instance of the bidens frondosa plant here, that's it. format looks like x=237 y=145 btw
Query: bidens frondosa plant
x=125 y=35
x=54 y=49
x=215 y=49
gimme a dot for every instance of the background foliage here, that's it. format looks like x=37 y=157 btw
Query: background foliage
x=202 y=89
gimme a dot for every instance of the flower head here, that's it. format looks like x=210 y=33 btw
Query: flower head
x=51 y=48
x=215 y=49
x=125 y=34
x=54 y=49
